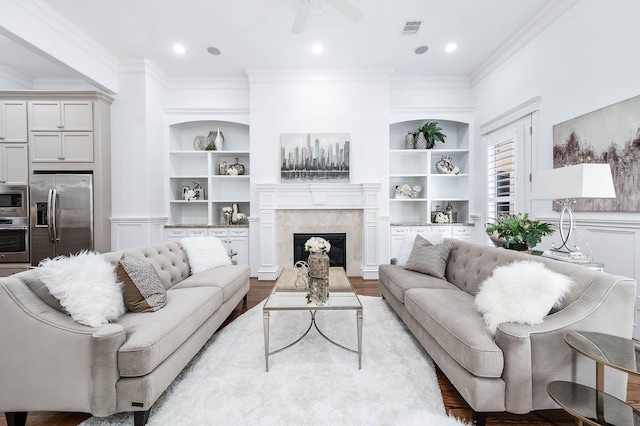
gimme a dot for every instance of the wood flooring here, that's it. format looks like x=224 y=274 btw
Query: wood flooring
x=453 y=402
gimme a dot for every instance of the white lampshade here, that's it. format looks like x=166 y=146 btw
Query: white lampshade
x=571 y=182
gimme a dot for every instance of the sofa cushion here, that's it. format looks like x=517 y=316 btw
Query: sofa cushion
x=142 y=288
x=407 y=244
x=229 y=279
x=398 y=280
x=86 y=286
x=451 y=319
x=523 y=292
x=205 y=253
x=428 y=258
x=152 y=337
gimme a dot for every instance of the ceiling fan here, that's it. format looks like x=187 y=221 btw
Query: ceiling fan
x=304 y=8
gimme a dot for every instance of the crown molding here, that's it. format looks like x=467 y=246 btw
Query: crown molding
x=318 y=74
x=143 y=66
x=431 y=82
x=239 y=81
x=38 y=14
x=545 y=16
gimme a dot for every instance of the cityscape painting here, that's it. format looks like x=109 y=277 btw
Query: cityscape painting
x=608 y=135
x=319 y=157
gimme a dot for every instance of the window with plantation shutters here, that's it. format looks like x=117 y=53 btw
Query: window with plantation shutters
x=501 y=178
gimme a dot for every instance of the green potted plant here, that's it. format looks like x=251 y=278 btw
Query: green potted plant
x=432 y=134
x=518 y=232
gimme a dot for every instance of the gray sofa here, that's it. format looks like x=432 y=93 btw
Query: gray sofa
x=49 y=362
x=508 y=372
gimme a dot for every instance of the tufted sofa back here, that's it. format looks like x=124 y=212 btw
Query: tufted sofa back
x=168 y=258
x=470 y=264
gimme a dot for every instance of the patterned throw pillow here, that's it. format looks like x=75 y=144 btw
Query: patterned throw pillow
x=141 y=286
x=428 y=258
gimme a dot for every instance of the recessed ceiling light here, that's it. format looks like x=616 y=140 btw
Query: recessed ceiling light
x=178 y=48
x=214 y=50
x=421 y=49
x=451 y=47
x=317 y=49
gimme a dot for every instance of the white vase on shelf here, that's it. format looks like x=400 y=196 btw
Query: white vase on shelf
x=219 y=141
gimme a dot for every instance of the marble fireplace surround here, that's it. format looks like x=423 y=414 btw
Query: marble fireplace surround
x=291 y=208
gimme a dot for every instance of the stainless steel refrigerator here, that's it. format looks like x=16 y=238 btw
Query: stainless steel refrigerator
x=61 y=219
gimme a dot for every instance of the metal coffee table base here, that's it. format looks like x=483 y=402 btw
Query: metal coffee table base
x=313 y=323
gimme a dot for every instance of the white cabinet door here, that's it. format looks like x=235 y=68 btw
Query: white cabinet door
x=15 y=164
x=13 y=121
x=52 y=116
x=241 y=246
x=57 y=147
x=77 y=147
x=46 y=147
x=77 y=116
x=463 y=233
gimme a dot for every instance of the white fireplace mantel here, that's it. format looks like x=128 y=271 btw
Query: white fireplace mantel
x=319 y=196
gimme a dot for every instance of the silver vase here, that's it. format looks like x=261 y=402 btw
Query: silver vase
x=421 y=142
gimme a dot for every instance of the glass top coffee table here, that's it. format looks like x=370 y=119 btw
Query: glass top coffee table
x=594 y=406
x=286 y=296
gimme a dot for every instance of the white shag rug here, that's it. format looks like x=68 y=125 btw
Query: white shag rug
x=311 y=383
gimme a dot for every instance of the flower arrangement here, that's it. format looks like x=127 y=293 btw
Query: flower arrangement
x=403 y=189
x=232 y=171
x=227 y=209
x=317 y=244
x=518 y=232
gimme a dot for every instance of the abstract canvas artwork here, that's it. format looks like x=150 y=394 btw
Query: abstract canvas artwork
x=319 y=157
x=608 y=135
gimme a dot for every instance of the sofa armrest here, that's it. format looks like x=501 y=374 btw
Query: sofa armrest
x=50 y=362
x=535 y=355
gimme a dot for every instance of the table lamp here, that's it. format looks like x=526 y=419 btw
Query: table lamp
x=565 y=185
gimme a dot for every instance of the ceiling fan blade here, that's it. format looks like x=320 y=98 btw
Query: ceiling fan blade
x=347 y=9
x=304 y=8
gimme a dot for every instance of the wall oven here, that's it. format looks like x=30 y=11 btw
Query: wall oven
x=14 y=201
x=14 y=240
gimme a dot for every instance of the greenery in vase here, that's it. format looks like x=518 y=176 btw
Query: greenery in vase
x=432 y=133
x=518 y=231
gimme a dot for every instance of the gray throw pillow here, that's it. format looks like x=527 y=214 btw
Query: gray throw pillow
x=142 y=288
x=428 y=258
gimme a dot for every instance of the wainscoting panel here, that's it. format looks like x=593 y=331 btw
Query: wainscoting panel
x=136 y=232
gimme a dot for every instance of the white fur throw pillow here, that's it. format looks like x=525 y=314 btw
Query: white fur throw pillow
x=86 y=286
x=407 y=245
x=523 y=292
x=205 y=253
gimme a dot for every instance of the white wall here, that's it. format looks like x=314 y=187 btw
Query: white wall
x=584 y=61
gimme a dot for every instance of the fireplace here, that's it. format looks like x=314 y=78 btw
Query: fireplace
x=337 y=254
x=320 y=208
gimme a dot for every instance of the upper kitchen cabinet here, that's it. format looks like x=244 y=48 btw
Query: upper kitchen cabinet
x=61 y=116
x=13 y=121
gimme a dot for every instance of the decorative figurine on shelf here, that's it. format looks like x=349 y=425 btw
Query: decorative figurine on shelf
x=445 y=166
x=234 y=213
x=222 y=168
x=404 y=191
x=190 y=195
x=235 y=169
x=226 y=211
x=198 y=190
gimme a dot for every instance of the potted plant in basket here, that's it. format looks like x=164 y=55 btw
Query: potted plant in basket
x=518 y=232
x=432 y=133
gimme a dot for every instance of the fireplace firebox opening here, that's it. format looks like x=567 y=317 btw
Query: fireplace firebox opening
x=337 y=254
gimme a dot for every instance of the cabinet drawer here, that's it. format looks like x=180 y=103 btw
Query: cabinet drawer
x=219 y=232
x=198 y=232
x=462 y=230
x=400 y=230
x=176 y=233
x=444 y=230
x=244 y=232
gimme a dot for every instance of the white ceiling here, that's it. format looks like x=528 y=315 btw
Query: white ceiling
x=257 y=34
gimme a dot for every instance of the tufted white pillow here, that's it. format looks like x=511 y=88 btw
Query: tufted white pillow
x=86 y=286
x=523 y=292
x=205 y=253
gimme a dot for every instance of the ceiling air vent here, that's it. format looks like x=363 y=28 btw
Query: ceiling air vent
x=411 y=27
